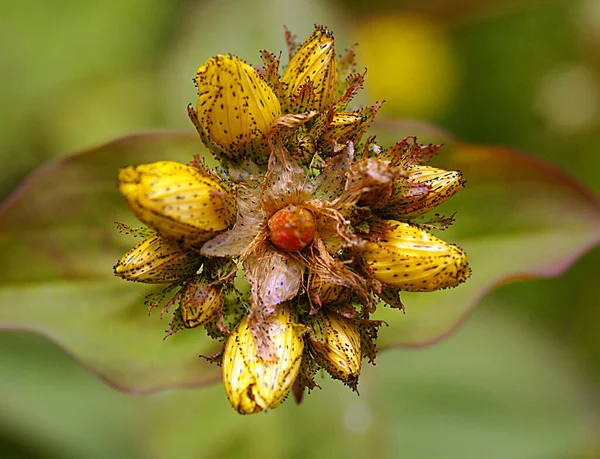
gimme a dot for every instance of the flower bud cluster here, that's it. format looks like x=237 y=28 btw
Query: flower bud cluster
x=316 y=225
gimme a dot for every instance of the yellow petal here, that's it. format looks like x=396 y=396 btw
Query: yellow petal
x=253 y=384
x=335 y=344
x=176 y=200
x=200 y=302
x=157 y=261
x=235 y=108
x=424 y=189
x=314 y=61
x=409 y=258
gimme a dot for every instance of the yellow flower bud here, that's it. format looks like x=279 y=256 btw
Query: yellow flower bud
x=323 y=291
x=424 y=189
x=200 y=302
x=235 y=109
x=314 y=61
x=344 y=127
x=157 y=261
x=409 y=258
x=177 y=200
x=335 y=344
x=253 y=384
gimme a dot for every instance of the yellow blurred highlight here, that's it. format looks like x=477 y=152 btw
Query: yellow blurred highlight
x=411 y=64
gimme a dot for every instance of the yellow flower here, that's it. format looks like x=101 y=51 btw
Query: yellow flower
x=409 y=258
x=313 y=69
x=298 y=209
x=253 y=384
x=424 y=189
x=157 y=261
x=235 y=109
x=176 y=200
x=335 y=344
x=200 y=302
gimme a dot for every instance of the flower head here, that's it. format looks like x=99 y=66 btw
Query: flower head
x=319 y=223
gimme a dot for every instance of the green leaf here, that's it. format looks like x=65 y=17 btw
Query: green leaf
x=59 y=244
x=499 y=389
x=517 y=218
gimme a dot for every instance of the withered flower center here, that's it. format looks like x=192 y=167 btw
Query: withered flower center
x=292 y=228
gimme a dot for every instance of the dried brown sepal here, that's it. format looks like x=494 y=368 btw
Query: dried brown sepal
x=306 y=377
x=371 y=182
x=347 y=63
x=424 y=189
x=369 y=330
x=348 y=89
x=291 y=44
x=322 y=263
x=329 y=185
x=216 y=358
x=156 y=299
x=408 y=152
x=437 y=222
x=135 y=232
x=270 y=72
x=345 y=308
x=274 y=278
x=175 y=325
x=305 y=99
x=285 y=181
x=391 y=297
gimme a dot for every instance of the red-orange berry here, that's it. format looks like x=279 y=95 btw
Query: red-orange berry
x=292 y=228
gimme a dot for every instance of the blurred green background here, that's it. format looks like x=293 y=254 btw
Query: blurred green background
x=519 y=379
